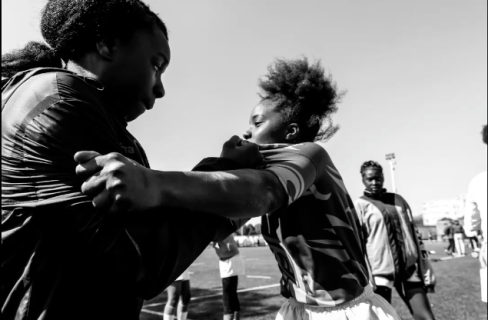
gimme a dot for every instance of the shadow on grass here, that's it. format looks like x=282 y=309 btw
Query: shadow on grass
x=257 y=305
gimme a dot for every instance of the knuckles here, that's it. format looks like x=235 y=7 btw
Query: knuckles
x=113 y=156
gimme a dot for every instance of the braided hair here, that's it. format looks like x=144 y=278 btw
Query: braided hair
x=72 y=28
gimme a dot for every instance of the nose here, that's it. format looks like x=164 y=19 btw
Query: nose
x=159 y=91
x=247 y=135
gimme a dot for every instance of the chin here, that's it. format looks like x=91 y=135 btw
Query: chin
x=135 y=114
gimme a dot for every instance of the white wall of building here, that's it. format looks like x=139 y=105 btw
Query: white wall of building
x=434 y=210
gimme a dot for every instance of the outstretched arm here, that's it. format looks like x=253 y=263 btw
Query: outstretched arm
x=117 y=183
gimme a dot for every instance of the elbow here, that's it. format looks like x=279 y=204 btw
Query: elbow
x=270 y=194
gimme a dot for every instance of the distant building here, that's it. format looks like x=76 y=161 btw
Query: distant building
x=435 y=210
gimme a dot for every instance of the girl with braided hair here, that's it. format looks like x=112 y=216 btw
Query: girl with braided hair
x=395 y=252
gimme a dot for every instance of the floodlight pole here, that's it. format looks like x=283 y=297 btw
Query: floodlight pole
x=392 y=161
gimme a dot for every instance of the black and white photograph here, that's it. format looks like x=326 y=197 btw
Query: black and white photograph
x=244 y=160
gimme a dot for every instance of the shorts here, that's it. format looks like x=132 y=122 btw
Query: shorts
x=368 y=306
x=383 y=282
x=232 y=267
x=185 y=276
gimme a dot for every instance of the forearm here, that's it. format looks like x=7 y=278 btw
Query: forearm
x=235 y=194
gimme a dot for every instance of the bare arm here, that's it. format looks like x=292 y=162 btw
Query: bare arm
x=120 y=184
x=244 y=193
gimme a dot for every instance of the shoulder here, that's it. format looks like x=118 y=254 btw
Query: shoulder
x=479 y=180
x=311 y=150
x=361 y=201
x=63 y=84
x=361 y=204
x=398 y=198
x=299 y=155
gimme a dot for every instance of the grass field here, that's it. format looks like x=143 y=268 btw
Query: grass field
x=457 y=294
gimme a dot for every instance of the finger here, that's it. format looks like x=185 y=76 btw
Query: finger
x=93 y=186
x=88 y=169
x=119 y=205
x=85 y=156
x=235 y=140
x=244 y=143
x=232 y=143
x=102 y=200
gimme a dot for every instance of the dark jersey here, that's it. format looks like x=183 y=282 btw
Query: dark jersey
x=61 y=258
x=316 y=238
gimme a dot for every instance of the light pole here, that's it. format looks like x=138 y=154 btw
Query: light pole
x=392 y=161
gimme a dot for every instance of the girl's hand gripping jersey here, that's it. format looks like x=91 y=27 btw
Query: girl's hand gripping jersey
x=315 y=239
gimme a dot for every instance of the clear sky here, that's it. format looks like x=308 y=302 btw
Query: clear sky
x=415 y=74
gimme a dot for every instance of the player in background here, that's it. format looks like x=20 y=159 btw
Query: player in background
x=179 y=296
x=475 y=217
x=231 y=266
x=393 y=245
x=309 y=220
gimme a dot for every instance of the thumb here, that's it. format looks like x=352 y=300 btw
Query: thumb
x=233 y=142
x=85 y=156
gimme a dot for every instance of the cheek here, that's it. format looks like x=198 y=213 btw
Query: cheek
x=138 y=77
x=267 y=134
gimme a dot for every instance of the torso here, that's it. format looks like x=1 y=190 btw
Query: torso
x=315 y=240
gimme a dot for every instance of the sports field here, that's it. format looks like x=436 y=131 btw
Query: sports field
x=457 y=294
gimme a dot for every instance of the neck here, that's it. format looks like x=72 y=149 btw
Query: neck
x=84 y=67
x=377 y=194
x=88 y=67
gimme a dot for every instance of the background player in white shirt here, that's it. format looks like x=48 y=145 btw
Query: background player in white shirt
x=231 y=265
x=475 y=217
x=179 y=296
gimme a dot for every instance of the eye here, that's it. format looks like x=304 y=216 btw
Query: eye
x=258 y=123
x=158 y=67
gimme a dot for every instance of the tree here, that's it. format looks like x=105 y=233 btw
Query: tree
x=258 y=229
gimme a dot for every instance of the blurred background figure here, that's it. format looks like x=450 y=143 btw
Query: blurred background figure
x=179 y=296
x=475 y=217
x=458 y=231
x=231 y=267
x=473 y=241
x=449 y=233
x=395 y=252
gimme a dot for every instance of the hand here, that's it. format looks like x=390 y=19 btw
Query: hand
x=243 y=152
x=116 y=183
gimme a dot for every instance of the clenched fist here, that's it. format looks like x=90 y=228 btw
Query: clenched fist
x=245 y=153
x=115 y=183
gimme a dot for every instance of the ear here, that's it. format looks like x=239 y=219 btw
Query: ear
x=106 y=48
x=292 y=133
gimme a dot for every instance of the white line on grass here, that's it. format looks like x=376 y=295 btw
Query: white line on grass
x=218 y=294
x=251 y=259
x=259 y=277
x=449 y=258
x=197 y=264
x=154 y=312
